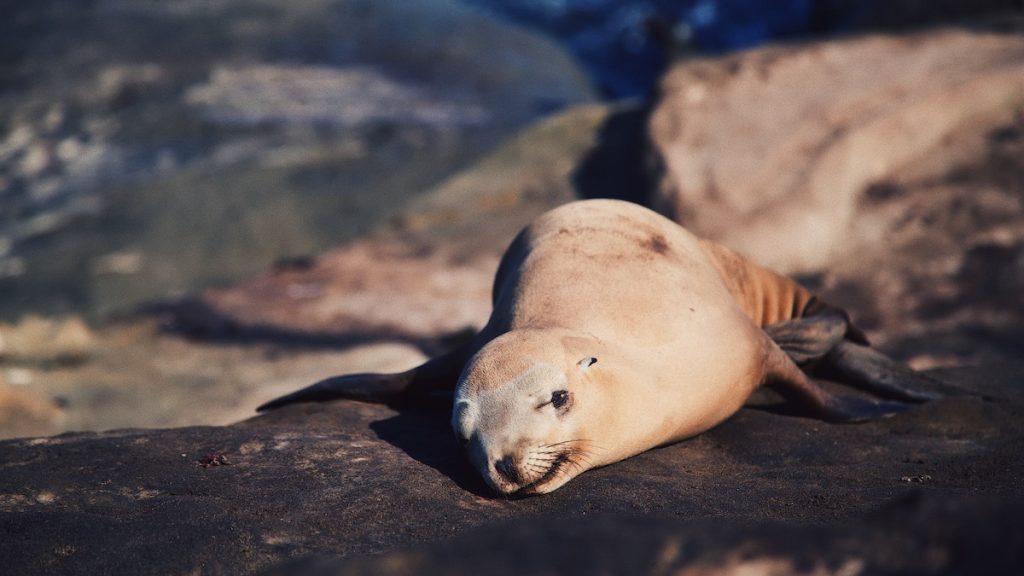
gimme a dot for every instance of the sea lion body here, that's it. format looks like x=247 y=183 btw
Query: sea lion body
x=613 y=281
x=616 y=330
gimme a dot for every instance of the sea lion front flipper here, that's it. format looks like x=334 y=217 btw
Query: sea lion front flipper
x=808 y=338
x=797 y=388
x=376 y=388
x=433 y=380
x=874 y=372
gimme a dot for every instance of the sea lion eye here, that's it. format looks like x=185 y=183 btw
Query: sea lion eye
x=559 y=398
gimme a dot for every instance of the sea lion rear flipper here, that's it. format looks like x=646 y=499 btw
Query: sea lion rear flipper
x=825 y=334
x=795 y=387
x=874 y=372
x=432 y=380
x=809 y=338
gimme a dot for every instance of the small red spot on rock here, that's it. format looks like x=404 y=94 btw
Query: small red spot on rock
x=214 y=459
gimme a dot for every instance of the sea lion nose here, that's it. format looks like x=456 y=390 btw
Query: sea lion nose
x=506 y=468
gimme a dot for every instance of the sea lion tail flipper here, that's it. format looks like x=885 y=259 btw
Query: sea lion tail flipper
x=795 y=387
x=874 y=372
x=825 y=333
x=808 y=338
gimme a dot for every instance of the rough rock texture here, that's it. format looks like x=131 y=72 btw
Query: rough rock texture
x=347 y=479
x=769 y=151
x=933 y=265
x=150 y=149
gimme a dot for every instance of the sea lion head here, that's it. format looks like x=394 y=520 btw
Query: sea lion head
x=527 y=411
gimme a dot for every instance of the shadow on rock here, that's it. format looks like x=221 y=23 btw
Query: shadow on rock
x=425 y=435
x=619 y=166
x=195 y=319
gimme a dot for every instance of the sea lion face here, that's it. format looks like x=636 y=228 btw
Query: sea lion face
x=525 y=429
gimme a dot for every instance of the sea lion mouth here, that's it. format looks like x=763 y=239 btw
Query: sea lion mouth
x=559 y=461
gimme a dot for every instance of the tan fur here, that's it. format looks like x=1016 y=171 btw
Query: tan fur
x=673 y=321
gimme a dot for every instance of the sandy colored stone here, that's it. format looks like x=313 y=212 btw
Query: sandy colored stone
x=41 y=339
x=24 y=412
x=140 y=377
x=769 y=151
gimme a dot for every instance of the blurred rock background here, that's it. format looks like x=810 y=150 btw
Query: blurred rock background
x=205 y=204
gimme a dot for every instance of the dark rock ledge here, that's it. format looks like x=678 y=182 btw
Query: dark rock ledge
x=316 y=488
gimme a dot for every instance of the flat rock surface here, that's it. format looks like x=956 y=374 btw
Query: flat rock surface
x=347 y=479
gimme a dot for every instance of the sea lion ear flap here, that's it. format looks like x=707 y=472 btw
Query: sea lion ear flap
x=586 y=362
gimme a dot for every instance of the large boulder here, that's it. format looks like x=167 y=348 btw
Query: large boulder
x=347 y=479
x=770 y=151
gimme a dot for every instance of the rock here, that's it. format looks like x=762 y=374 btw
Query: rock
x=933 y=264
x=36 y=339
x=428 y=272
x=239 y=133
x=919 y=534
x=25 y=413
x=347 y=479
x=137 y=376
x=342 y=97
x=769 y=151
x=369 y=289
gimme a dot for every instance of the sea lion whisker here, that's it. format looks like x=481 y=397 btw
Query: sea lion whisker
x=565 y=442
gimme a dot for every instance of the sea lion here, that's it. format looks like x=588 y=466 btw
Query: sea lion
x=616 y=330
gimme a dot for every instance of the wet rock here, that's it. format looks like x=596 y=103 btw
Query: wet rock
x=769 y=151
x=348 y=479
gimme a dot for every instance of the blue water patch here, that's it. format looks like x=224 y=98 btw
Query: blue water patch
x=624 y=44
